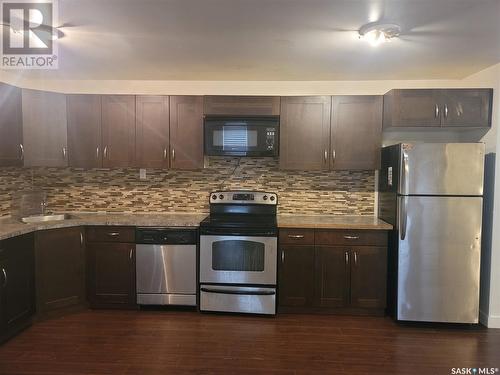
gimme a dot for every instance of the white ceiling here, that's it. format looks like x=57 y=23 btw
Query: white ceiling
x=273 y=39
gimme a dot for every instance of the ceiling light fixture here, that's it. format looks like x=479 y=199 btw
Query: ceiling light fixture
x=377 y=33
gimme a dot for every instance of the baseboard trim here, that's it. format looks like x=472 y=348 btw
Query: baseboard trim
x=489 y=321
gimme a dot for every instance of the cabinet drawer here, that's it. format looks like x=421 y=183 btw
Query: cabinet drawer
x=351 y=237
x=297 y=236
x=110 y=234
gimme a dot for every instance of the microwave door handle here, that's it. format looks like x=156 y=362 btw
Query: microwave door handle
x=239 y=292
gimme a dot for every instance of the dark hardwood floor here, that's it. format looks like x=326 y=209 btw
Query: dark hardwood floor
x=160 y=342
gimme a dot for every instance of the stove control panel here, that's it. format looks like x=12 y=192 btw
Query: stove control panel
x=243 y=197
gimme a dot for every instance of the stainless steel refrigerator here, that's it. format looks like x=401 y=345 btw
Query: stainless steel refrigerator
x=432 y=194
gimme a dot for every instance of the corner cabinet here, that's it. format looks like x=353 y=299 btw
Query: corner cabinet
x=330 y=133
x=438 y=108
x=17 y=285
x=333 y=271
x=111 y=267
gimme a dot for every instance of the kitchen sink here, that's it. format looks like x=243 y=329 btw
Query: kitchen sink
x=44 y=218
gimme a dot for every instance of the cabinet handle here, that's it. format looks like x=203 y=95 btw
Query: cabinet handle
x=326 y=156
x=282 y=257
x=4 y=278
x=64 y=153
x=436 y=111
x=165 y=153
x=355 y=258
x=346 y=257
x=81 y=238
x=105 y=152
x=334 y=156
x=446 y=111
x=173 y=154
x=131 y=253
x=21 y=147
x=351 y=237
x=97 y=152
x=113 y=234
x=296 y=236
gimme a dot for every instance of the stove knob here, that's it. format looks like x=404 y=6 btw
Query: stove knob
x=214 y=197
x=272 y=198
x=264 y=197
x=221 y=196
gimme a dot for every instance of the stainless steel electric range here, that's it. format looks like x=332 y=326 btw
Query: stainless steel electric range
x=238 y=253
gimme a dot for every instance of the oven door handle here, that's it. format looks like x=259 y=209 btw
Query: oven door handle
x=210 y=232
x=239 y=292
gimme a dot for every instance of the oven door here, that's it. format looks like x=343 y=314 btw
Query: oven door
x=229 y=259
x=241 y=136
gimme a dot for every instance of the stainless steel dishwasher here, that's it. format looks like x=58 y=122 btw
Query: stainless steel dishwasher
x=166 y=266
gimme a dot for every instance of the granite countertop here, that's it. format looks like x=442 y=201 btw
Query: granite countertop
x=332 y=222
x=10 y=227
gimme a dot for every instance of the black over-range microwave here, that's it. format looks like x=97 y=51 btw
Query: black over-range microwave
x=242 y=136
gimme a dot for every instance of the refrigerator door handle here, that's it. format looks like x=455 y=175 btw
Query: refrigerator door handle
x=404 y=173
x=402 y=218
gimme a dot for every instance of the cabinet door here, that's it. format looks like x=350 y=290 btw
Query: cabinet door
x=111 y=274
x=467 y=107
x=186 y=132
x=17 y=289
x=356 y=132
x=331 y=276
x=305 y=132
x=152 y=131
x=11 y=127
x=84 y=131
x=44 y=129
x=296 y=276
x=118 y=131
x=369 y=277
x=60 y=269
x=412 y=108
x=242 y=105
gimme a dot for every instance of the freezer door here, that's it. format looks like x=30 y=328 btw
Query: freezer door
x=438 y=259
x=442 y=169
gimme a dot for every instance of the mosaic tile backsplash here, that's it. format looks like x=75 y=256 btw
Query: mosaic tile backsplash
x=121 y=190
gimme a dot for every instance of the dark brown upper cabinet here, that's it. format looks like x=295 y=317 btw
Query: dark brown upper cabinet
x=305 y=132
x=44 y=129
x=467 y=108
x=438 y=108
x=11 y=126
x=60 y=270
x=152 y=131
x=118 y=130
x=242 y=105
x=356 y=132
x=84 y=131
x=186 y=132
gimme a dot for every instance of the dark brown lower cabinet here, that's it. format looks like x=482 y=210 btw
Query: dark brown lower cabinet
x=369 y=277
x=111 y=275
x=17 y=285
x=328 y=275
x=331 y=286
x=296 y=276
x=60 y=270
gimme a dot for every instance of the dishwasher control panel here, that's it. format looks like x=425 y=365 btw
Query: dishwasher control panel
x=160 y=236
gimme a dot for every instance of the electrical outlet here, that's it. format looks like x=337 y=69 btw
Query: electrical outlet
x=142 y=174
